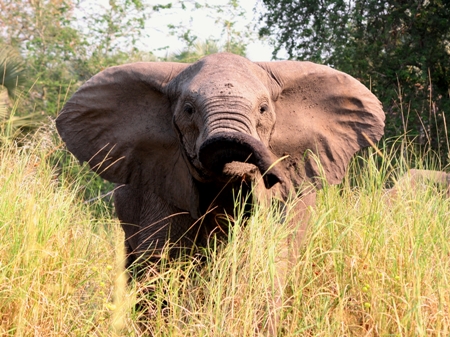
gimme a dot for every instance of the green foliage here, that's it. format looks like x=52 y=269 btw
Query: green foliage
x=112 y=28
x=41 y=30
x=225 y=16
x=11 y=69
x=159 y=7
x=400 y=50
x=195 y=51
x=64 y=44
x=308 y=29
x=11 y=77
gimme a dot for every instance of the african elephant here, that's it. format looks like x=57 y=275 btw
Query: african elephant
x=415 y=179
x=183 y=137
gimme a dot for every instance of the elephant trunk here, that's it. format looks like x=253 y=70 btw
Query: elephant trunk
x=223 y=148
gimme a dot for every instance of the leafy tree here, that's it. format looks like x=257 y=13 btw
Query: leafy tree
x=400 y=49
x=12 y=76
x=110 y=34
x=11 y=69
x=41 y=31
x=196 y=51
x=193 y=53
x=226 y=16
x=64 y=43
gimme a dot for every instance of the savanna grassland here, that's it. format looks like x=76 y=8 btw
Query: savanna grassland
x=371 y=265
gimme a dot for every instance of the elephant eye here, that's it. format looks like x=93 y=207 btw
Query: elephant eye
x=188 y=108
x=263 y=108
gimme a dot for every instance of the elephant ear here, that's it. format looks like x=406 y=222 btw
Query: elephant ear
x=120 y=122
x=323 y=116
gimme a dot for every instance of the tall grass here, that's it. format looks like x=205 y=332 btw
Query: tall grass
x=370 y=265
x=57 y=262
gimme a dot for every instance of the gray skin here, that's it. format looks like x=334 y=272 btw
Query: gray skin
x=179 y=138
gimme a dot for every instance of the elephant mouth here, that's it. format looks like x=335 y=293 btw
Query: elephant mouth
x=236 y=155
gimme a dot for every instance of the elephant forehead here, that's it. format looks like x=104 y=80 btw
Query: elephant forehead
x=227 y=83
x=226 y=61
x=221 y=74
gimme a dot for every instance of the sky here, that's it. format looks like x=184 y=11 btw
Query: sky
x=203 y=26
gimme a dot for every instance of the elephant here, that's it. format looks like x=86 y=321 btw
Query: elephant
x=416 y=179
x=180 y=139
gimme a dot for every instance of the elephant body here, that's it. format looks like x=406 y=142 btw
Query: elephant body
x=415 y=180
x=181 y=139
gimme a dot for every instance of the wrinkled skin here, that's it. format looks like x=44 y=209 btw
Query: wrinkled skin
x=182 y=137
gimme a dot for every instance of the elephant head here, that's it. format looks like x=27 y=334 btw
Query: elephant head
x=177 y=134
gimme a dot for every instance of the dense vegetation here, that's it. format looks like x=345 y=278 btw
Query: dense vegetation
x=372 y=264
x=49 y=48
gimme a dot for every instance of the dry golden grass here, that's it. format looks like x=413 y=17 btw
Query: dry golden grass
x=366 y=269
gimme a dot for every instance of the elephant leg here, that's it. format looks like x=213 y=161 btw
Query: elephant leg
x=288 y=257
x=127 y=202
x=162 y=224
x=150 y=224
x=130 y=257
